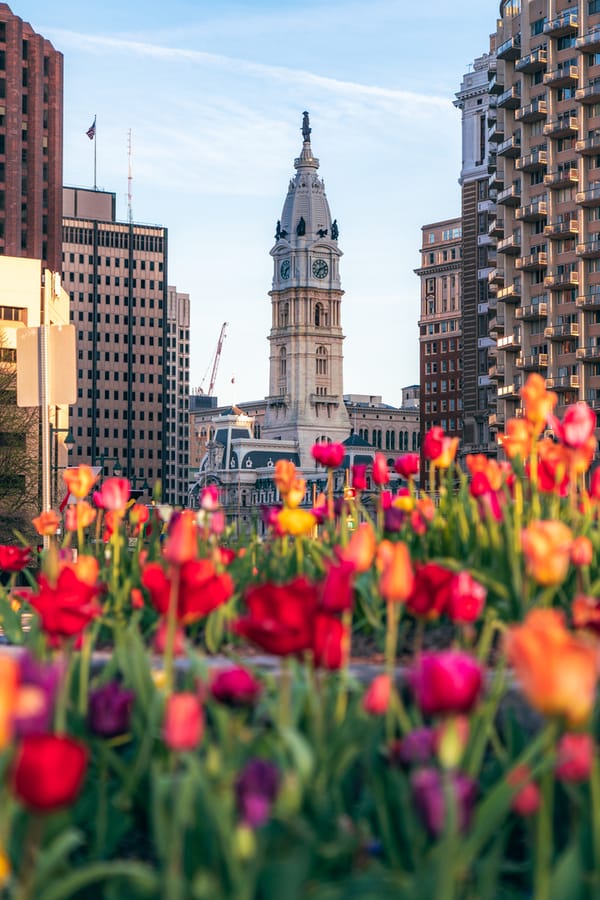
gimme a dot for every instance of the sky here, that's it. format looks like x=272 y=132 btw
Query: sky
x=213 y=93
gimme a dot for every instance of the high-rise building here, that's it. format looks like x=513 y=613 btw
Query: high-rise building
x=547 y=94
x=440 y=327
x=31 y=157
x=127 y=413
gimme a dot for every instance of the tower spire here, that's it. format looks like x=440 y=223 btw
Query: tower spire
x=306 y=129
x=306 y=160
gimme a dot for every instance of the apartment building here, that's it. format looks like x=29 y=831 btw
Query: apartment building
x=177 y=429
x=546 y=92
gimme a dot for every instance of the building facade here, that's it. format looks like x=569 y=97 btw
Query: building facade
x=440 y=327
x=547 y=145
x=127 y=413
x=31 y=142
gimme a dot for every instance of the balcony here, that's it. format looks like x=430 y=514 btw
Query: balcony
x=511 y=293
x=589 y=300
x=561 y=280
x=561 y=126
x=589 y=42
x=590 y=93
x=563 y=383
x=496 y=276
x=510 y=391
x=534 y=161
x=511 y=146
x=532 y=262
x=496 y=420
x=533 y=212
x=496 y=130
x=561 y=178
x=590 y=197
x=562 y=332
x=589 y=354
x=496 y=228
x=565 y=23
x=510 y=49
x=510 y=99
x=494 y=85
x=532 y=363
x=533 y=62
x=562 y=76
x=589 y=146
x=496 y=179
x=510 y=196
x=496 y=324
x=496 y=373
x=592 y=400
x=558 y=230
x=532 y=312
x=589 y=249
x=511 y=342
x=510 y=245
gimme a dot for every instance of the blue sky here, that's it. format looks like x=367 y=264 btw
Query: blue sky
x=213 y=93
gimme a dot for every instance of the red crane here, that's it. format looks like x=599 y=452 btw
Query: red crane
x=215 y=362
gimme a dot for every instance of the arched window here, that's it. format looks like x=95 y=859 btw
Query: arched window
x=321 y=361
x=320 y=315
x=283 y=362
x=284 y=312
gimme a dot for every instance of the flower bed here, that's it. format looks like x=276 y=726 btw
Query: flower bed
x=144 y=777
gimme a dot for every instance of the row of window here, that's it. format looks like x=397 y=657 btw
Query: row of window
x=376 y=439
x=151 y=243
x=115 y=300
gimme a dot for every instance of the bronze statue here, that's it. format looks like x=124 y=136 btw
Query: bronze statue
x=334 y=230
x=301 y=228
x=306 y=130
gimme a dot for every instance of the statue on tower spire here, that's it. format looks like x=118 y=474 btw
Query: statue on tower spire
x=306 y=129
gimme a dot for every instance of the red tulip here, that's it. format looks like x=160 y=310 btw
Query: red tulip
x=337 y=588
x=446 y=682
x=184 y=722
x=359 y=476
x=330 y=638
x=526 y=801
x=466 y=598
x=575 y=757
x=48 y=771
x=377 y=696
x=329 y=455
x=113 y=495
x=201 y=589
x=14 y=559
x=381 y=473
x=67 y=607
x=429 y=596
x=280 y=617
x=577 y=426
x=408 y=465
x=235 y=687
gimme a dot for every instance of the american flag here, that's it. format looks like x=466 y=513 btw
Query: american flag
x=91 y=132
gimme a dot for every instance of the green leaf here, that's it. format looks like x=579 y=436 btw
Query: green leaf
x=301 y=752
x=141 y=876
x=567 y=878
x=56 y=853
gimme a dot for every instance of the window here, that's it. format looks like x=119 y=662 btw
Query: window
x=283 y=362
x=321 y=361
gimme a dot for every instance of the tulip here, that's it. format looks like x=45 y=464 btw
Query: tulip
x=378 y=695
x=235 y=687
x=585 y=612
x=14 y=559
x=575 y=757
x=66 y=607
x=361 y=548
x=109 y=710
x=466 y=598
x=582 y=551
x=38 y=686
x=429 y=595
x=547 y=551
x=86 y=569
x=9 y=677
x=538 y=402
x=138 y=516
x=181 y=544
x=577 y=426
x=337 y=588
x=79 y=515
x=528 y=798
x=113 y=495
x=517 y=440
x=79 y=480
x=209 y=498
x=439 y=448
x=48 y=771
x=408 y=465
x=397 y=576
x=183 y=726
x=415 y=747
x=557 y=670
x=256 y=789
x=330 y=640
x=381 y=473
x=296 y=522
x=284 y=475
x=47 y=523
x=328 y=455
x=359 y=476
x=451 y=738
x=280 y=616
x=446 y=682
x=428 y=793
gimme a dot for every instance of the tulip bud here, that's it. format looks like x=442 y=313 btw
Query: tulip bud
x=526 y=801
x=184 y=722
x=244 y=843
x=451 y=739
x=575 y=757
x=377 y=697
x=582 y=551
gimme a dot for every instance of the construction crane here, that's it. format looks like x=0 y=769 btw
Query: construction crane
x=215 y=363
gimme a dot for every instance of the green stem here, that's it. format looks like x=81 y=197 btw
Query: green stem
x=171 y=631
x=391 y=638
x=285 y=693
x=595 y=809
x=62 y=700
x=544 y=826
x=102 y=802
x=33 y=838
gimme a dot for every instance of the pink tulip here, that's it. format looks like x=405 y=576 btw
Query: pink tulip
x=184 y=721
x=447 y=682
x=113 y=495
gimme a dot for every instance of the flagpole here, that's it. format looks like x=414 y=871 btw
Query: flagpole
x=95 y=141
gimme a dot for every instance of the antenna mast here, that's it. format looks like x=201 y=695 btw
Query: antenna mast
x=129 y=181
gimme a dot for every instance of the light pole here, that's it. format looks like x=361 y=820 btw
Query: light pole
x=68 y=442
x=103 y=459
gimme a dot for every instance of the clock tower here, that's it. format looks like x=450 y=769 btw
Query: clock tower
x=305 y=402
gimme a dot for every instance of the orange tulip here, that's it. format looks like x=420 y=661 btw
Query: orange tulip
x=557 y=671
x=397 y=576
x=47 y=522
x=360 y=549
x=181 y=545
x=517 y=439
x=86 y=568
x=582 y=551
x=79 y=515
x=538 y=402
x=449 y=448
x=9 y=679
x=295 y=495
x=478 y=463
x=547 y=551
x=296 y=521
x=79 y=480
x=285 y=475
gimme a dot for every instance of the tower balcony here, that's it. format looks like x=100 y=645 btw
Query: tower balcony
x=532 y=162
x=532 y=363
x=510 y=245
x=558 y=281
x=589 y=146
x=589 y=42
x=588 y=354
x=532 y=312
x=558 y=230
x=510 y=343
x=561 y=126
x=561 y=178
x=324 y=400
x=533 y=212
x=511 y=146
x=562 y=332
x=532 y=262
x=589 y=249
x=510 y=99
x=278 y=400
x=511 y=293
x=589 y=197
x=562 y=25
x=590 y=93
x=533 y=62
x=590 y=300
x=510 y=49
x=563 y=383
x=561 y=76
x=510 y=196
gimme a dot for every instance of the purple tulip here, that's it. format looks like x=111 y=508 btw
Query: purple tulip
x=39 y=683
x=256 y=789
x=415 y=747
x=109 y=710
x=428 y=795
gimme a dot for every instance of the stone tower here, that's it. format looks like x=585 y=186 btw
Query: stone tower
x=305 y=402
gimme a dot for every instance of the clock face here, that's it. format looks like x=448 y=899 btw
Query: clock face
x=320 y=268
x=284 y=270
